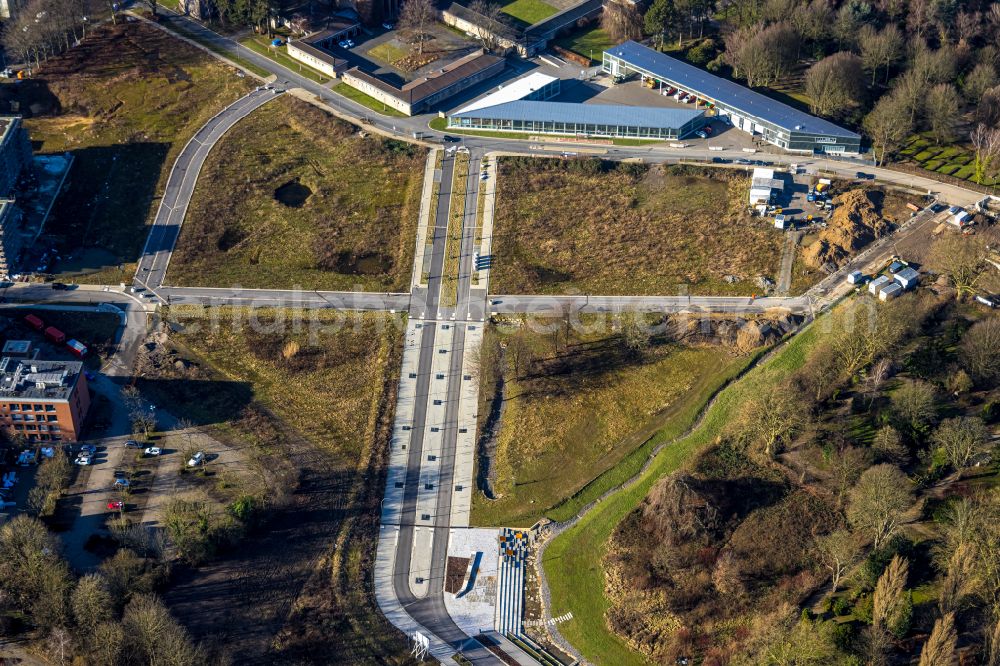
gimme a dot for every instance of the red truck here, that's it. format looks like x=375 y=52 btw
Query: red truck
x=55 y=335
x=78 y=348
x=34 y=322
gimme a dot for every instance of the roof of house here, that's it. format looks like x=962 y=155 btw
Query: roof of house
x=519 y=89
x=726 y=92
x=434 y=82
x=592 y=114
x=317 y=52
x=908 y=273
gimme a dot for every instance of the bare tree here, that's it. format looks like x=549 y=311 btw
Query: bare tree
x=153 y=636
x=963 y=439
x=888 y=445
x=958 y=579
x=962 y=260
x=415 y=16
x=887 y=125
x=880 y=49
x=621 y=20
x=762 y=55
x=914 y=405
x=838 y=551
x=491 y=25
x=982 y=77
x=878 y=501
x=834 y=83
x=769 y=418
x=978 y=351
x=986 y=143
x=941 y=109
x=939 y=650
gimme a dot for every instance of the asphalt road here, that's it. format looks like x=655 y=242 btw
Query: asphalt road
x=180 y=187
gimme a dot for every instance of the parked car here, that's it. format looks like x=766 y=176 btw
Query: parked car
x=89 y=449
x=83 y=460
x=60 y=286
x=121 y=474
x=121 y=483
x=116 y=505
x=451 y=139
x=351 y=44
x=152 y=451
x=701 y=135
x=132 y=444
x=388 y=26
x=197 y=459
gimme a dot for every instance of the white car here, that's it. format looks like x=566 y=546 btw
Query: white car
x=83 y=460
x=152 y=451
x=197 y=459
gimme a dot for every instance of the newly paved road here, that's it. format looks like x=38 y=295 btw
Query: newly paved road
x=180 y=187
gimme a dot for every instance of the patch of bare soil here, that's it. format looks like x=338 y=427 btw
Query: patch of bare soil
x=857 y=221
x=454 y=574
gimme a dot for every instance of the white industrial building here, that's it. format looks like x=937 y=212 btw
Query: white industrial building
x=763 y=186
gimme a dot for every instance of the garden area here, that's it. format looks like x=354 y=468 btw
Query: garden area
x=953 y=160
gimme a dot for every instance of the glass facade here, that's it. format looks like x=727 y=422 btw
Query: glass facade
x=569 y=128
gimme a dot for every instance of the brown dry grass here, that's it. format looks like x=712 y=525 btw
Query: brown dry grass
x=589 y=226
x=356 y=228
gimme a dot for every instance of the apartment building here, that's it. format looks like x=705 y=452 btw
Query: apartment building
x=46 y=401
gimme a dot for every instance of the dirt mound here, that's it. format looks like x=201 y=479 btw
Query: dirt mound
x=857 y=221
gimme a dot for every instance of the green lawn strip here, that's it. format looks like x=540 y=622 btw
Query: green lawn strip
x=456 y=218
x=680 y=420
x=256 y=44
x=529 y=11
x=441 y=125
x=429 y=221
x=589 y=43
x=179 y=28
x=573 y=561
x=356 y=95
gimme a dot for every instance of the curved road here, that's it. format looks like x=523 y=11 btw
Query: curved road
x=181 y=184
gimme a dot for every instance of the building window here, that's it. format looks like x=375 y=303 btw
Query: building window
x=18 y=426
x=17 y=417
x=29 y=417
x=51 y=417
x=14 y=407
x=39 y=408
x=32 y=426
x=26 y=408
x=50 y=408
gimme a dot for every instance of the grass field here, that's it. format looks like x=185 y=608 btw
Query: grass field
x=388 y=52
x=589 y=43
x=308 y=203
x=575 y=424
x=573 y=561
x=588 y=226
x=311 y=407
x=368 y=101
x=529 y=12
x=123 y=102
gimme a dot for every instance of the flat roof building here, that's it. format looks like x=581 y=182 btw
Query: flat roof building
x=535 y=86
x=420 y=94
x=763 y=185
x=316 y=50
x=46 y=401
x=582 y=120
x=15 y=152
x=750 y=111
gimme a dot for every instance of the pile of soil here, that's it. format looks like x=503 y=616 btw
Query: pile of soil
x=454 y=575
x=857 y=221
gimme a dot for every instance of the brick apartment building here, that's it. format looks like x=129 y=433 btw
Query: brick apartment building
x=46 y=401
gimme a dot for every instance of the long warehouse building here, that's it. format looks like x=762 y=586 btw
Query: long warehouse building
x=524 y=107
x=752 y=112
